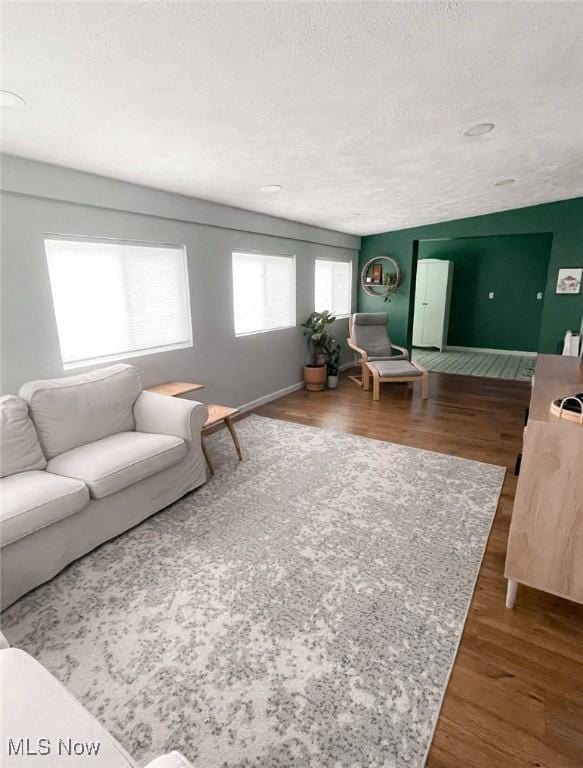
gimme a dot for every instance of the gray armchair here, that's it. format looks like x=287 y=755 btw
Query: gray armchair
x=369 y=338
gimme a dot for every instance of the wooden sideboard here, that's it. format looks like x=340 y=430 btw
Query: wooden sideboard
x=545 y=545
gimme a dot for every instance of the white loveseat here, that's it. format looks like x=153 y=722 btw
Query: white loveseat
x=44 y=726
x=82 y=459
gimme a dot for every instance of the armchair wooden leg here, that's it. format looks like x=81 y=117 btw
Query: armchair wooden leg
x=424 y=380
x=365 y=377
x=425 y=386
x=376 y=386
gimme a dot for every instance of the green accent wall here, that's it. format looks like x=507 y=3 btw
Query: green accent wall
x=562 y=220
x=512 y=267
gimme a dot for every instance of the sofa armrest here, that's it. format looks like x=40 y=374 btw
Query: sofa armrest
x=165 y=415
x=171 y=760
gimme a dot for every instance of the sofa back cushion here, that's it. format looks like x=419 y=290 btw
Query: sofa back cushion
x=20 y=449
x=76 y=410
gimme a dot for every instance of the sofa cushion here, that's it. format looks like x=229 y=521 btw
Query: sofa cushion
x=19 y=446
x=33 y=500
x=36 y=706
x=76 y=410
x=108 y=465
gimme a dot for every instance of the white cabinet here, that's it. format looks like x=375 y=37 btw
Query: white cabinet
x=432 y=300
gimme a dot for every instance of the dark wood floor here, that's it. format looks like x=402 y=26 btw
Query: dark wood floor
x=515 y=697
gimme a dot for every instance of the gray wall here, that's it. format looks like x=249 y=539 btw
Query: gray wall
x=37 y=199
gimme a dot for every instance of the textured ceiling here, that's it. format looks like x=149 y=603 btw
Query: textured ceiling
x=351 y=107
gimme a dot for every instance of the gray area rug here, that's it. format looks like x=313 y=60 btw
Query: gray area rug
x=303 y=608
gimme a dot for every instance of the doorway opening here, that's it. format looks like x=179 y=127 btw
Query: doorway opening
x=479 y=303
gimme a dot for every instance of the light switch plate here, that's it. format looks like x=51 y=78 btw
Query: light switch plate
x=539 y=295
x=491 y=295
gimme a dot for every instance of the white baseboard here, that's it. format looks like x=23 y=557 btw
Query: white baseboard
x=487 y=351
x=270 y=397
x=280 y=393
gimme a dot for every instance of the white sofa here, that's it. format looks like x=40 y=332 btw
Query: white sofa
x=43 y=725
x=82 y=459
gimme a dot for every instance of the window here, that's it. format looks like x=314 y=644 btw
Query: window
x=264 y=292
x=118 y=299
x=333 y=287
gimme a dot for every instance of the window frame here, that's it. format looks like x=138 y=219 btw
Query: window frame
x=350 y=290
x=276 y=254
x=145 y=352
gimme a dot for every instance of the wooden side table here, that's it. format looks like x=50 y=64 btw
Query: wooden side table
x=175 y=388
x=218 y=413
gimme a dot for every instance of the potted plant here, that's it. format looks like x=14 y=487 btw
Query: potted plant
x=316 y=369
x=333 y=365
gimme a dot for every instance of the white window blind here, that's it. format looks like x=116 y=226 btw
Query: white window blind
x=115 y=300
x=264 y=292
x=333 y=287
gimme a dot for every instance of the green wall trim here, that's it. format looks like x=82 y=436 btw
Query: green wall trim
x=563 y=220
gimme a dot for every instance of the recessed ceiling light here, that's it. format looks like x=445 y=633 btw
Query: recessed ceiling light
x=271 y=189
x=9 y=100
x=504 y=182
x=480 y=129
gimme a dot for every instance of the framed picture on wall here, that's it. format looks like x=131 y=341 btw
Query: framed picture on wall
x=569 y=280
